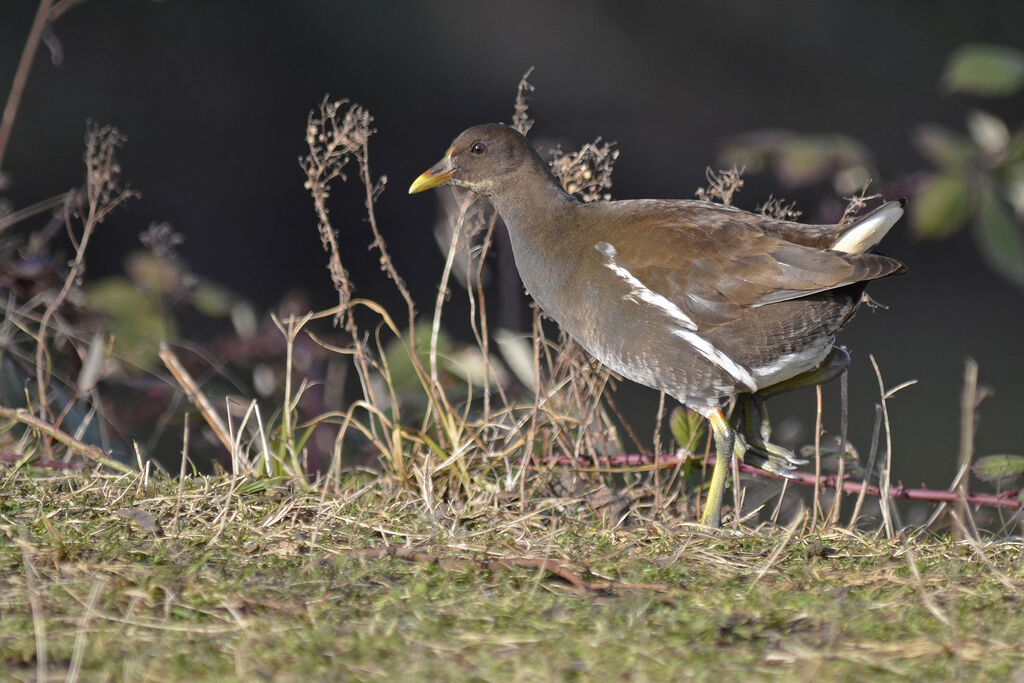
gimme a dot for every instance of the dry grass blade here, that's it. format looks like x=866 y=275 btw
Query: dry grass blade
x=196 y=396
x=82 y=632
x=885 y=483
x=38 y=616
x=791 y=529
x=970 y=399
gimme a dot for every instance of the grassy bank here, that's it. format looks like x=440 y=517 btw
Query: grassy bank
x=124 y=578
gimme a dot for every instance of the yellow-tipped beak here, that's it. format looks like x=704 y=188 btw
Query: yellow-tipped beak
x=438 y=174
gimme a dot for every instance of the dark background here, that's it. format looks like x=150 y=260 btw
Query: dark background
x=213 y=97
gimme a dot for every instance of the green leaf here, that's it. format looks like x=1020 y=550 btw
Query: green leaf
x=1000 y=238
x=212 y=300
x=988 y=132
x=136 y=320
x=993 y=468
x=985 y=69
x=940 y=208
x=797 y=158
x=808 y=159
x=151 y=273
x=943 y=147
x=687 y=428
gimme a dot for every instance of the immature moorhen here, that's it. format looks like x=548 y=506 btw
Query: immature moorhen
x=699 y=300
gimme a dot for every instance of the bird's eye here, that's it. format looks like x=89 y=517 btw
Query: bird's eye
x=478 y=148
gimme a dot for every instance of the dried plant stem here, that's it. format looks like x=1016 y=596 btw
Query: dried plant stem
x=969 y=400
x=478 y=318
x=331 y=144
x=657 y=448
x=28 y=54
x=104 y=193
x=48 y=204
x=94 y=453
x=196 y=396
x=442 y=288
x=42 y=355
x=869 y=468
x=373 y=189
x=844 y=401
x=817 y=457
x=885 y=482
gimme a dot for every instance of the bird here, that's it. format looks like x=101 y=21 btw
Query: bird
x=703 y=301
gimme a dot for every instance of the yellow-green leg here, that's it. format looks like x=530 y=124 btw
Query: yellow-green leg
x=752 y=423
x=724 y=439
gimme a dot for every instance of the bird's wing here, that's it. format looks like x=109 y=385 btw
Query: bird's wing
x=714 y=268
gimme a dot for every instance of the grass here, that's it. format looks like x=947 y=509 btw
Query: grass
x=283 y=583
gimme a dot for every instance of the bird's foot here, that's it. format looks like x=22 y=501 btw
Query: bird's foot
x=753 y=433
x=770 y=457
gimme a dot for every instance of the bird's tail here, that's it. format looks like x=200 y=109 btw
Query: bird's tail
x=869 y=231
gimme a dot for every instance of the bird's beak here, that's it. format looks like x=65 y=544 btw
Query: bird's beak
x=438 y=174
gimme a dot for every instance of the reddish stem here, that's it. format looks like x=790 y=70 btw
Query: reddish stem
x=1007 y=499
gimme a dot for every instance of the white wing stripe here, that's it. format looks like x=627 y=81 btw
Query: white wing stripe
x=687 y=329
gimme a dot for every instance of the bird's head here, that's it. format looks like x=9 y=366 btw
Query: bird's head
x=484 y=159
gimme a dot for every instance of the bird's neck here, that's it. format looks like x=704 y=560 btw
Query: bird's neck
x=534 y=206
x=540 y=216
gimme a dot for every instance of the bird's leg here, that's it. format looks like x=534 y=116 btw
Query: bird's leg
x=724 y=440
x=751 y=418
x=750 y=440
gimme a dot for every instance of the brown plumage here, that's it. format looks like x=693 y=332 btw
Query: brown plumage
x=699 y=300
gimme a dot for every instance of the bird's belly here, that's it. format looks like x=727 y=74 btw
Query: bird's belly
x=651 y=349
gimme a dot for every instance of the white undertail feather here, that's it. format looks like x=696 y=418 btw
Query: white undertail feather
x=869 y=231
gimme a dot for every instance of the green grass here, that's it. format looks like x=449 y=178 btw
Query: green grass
x=287 y=584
